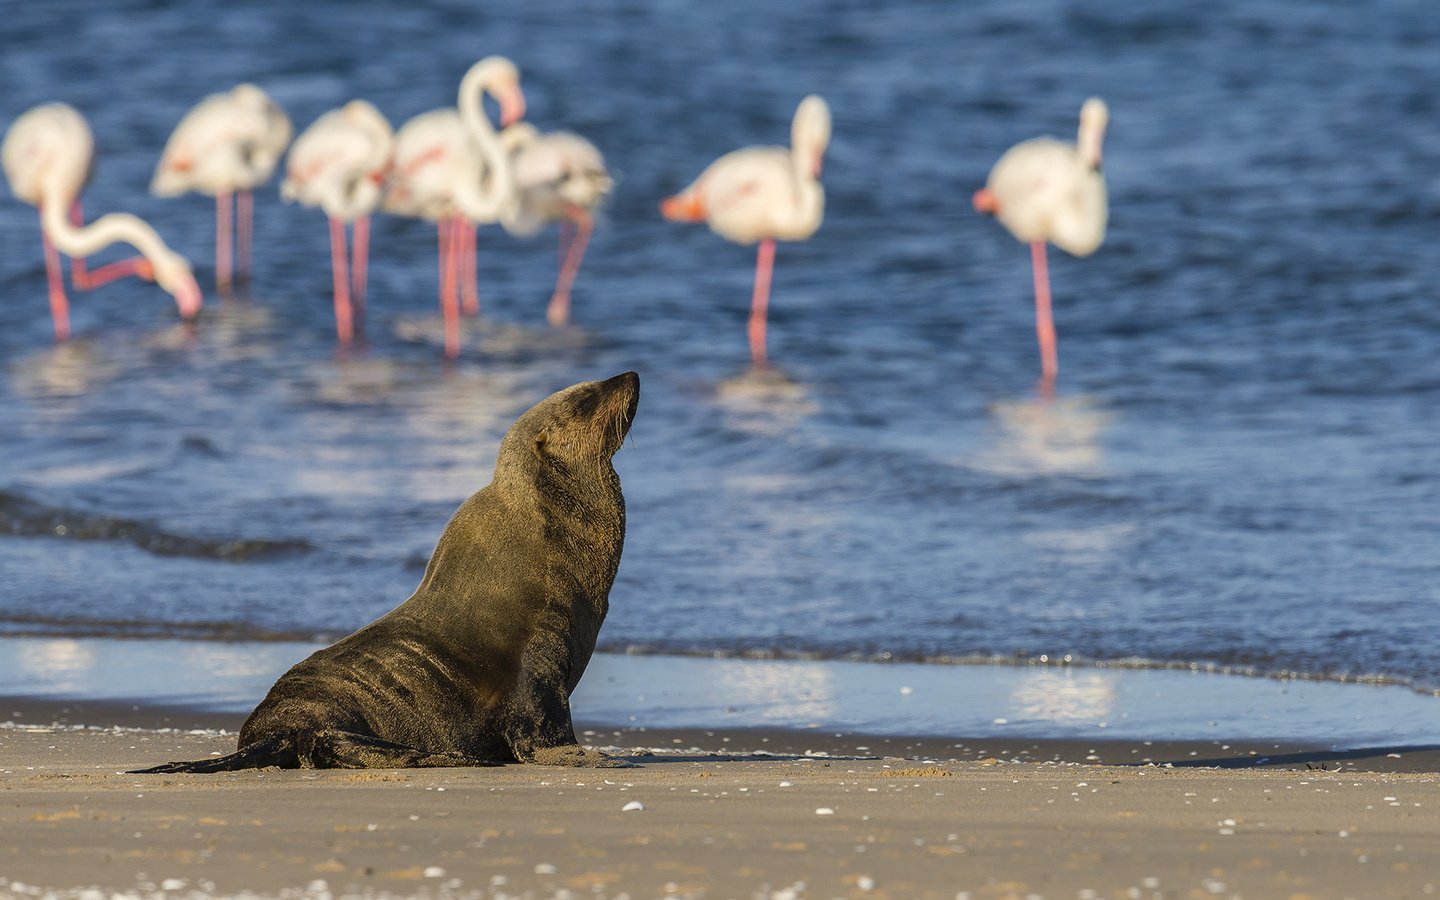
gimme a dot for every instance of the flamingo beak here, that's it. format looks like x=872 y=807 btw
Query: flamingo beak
x=683 y=208
x=985 y=201
x=512 y=107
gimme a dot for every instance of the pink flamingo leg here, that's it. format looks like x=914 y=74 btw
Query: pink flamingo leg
x=360 y=274
x=567 y=234
x=222 y=242
x=450 y=306
x=469 y=279
x=442 y=228
x=558 y=313
x=245 y=231
x=59 y=308
x=87 y=279
x=1044 y=324
x=344 y=323
x=760 y=303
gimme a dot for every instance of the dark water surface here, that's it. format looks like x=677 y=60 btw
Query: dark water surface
x=1240 y=467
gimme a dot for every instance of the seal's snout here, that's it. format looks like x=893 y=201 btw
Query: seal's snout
x=629 y=384
x=623 y=389
x=627 y=380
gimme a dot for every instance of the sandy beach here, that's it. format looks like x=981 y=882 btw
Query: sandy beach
x=713 y=814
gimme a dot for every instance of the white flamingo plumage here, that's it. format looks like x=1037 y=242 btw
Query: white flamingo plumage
x=559 y=177
x=1044 y=190
x=763 y=194
x=48 y=154
x=450 y=169
x=340 y=164
x=227 y=145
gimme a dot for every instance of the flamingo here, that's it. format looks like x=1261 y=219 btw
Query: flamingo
x=1044 y=190
x=226 y=145
x=339 y=164
x=763 y=194
x=559 y=177
x=450 y=169
x=47 y=154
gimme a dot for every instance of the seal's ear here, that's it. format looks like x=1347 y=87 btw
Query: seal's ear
x=540 y=440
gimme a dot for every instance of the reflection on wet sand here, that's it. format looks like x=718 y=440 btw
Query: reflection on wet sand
x=1064 y=697
x=60 y=665
x=229 y=662
x=775 y=692
x=215 y=675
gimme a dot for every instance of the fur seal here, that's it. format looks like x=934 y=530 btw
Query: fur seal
x=477 y=666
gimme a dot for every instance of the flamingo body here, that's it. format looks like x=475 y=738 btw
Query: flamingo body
x=450 y=168
x=341 y=161
x=231 y=141
x=1044 y=191
x=48 y=155
x=558 y=177
x=1047 y=191
x=449 y=161
x=748 y=195
x=48 y=151
x=226 y=145
x=554 y=172
x=433 y=159
x=763 y=194
x=339 y=164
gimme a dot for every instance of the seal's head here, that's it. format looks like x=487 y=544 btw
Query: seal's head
x=576 y=430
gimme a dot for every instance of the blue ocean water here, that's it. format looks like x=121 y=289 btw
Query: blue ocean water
x=1239 y=467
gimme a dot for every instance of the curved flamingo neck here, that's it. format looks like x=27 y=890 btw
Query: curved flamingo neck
x=482 y=199
x=1094 y=116
x=805 y=158
x=169 y=269
x=113 y=228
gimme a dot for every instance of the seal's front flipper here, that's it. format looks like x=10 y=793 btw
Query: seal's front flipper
x=331 y=748
x=544 y=735
x=276 y=750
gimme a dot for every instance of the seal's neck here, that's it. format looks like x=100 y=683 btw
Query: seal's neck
x=583 y=515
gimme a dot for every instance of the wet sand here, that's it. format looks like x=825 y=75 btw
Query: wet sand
x=724 y=814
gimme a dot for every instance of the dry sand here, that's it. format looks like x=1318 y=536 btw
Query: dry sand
x=704 y=815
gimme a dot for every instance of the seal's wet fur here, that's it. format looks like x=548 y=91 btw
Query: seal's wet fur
x=477 y=667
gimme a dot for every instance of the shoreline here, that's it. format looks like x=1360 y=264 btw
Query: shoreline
x=729 y=693
x=60 y=715
x=1038 y=662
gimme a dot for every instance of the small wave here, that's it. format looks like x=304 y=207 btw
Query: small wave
x=220 y=632
x=23 y=517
